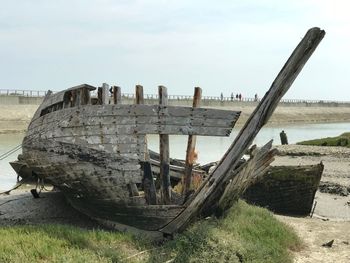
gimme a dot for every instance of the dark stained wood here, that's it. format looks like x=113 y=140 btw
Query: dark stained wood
x=74 y=98
x=139 y=94
x=99 y=95
x=85 y=96
x=191 y=145
x=165 y=187
x=286 y=189
x=148 y=217
x=147 y=181
x=117 y=95
x=221 y=175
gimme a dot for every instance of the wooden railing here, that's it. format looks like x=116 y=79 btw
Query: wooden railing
x=40 y=93
x=26 y=93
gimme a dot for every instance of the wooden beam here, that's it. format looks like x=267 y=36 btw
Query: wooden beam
x=210 y=192
x=99 y=95
x=105 y=93
x=85 y=96
x=165 y=187
x=191 y=145
x=148 y=183
x=245 y=175
x=117 y=95
x=139 y=94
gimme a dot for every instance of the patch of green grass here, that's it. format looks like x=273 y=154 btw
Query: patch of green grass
x=341 y=140
x=246 y=234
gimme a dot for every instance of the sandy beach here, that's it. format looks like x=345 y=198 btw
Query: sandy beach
x=331 y=219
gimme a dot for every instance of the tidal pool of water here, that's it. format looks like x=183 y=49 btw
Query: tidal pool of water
x=209 y=148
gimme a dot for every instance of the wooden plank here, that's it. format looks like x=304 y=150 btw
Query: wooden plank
x=176 y=172
x=165 y=186
x=147 y=181
x=117 y=95
x=110 y=129
x=260 y=116
x=181 y=122
x=244 y=176
x=189 y=114
x=93 y=115
x=132 y=187
x=191 y=145
x=117 y=100
x=143 y=217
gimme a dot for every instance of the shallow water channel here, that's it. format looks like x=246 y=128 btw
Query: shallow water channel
x=208 y=148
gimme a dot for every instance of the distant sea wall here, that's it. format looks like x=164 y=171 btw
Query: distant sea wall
x=19 y=100
x=178 y=100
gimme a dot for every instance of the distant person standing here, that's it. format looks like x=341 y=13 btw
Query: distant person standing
x=240 y=96
x=284 y=139
x=237 y=96
x=222 y=96
x=231 y=96
x=256 y=97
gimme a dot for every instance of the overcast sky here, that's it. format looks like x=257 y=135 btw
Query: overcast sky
x=221 y=46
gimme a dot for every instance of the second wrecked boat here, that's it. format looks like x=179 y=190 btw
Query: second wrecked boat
x=96 y=153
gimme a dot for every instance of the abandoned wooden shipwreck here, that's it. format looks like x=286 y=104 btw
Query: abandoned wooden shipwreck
x=286 y=189
x=95 y=151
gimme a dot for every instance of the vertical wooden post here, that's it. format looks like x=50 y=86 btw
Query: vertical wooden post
x=85 y=96
x=139 y=94
x=148 y=183
x=117 y=95
x=74 y=98
x=191 y=145
x=105 y=93
x=165 y=186
x=99 y=95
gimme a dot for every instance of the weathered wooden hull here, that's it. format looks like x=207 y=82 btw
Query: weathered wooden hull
x=94 y=155
x=286 y=189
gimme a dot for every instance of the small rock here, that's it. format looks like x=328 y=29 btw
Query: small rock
x=328 y=244
x=346 y=242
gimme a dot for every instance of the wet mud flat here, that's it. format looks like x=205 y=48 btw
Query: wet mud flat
x=20 y=208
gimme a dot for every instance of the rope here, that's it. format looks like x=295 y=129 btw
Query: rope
x=12 y=151
x=8 y=191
